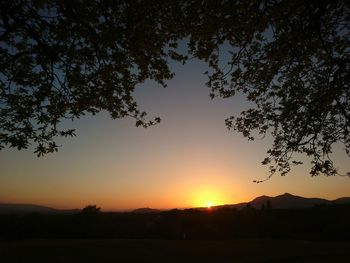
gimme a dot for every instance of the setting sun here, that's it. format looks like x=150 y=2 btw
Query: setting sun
x=209 y=204
x=207 y=198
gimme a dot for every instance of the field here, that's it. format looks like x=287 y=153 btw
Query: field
x=240 y=250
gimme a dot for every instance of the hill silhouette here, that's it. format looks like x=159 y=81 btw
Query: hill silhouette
x=7 y=208
x=146 y=210
x=283 y=201
x=287 y=201
x=343 y=200
x=283 y=216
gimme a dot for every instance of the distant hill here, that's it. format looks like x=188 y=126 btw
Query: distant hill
x=145 y=210
x=342 y=200
x=30 y=208
x=286 y=201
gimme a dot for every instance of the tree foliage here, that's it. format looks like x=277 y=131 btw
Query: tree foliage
x=291 y=59
x=91 y=210
x=62 y=59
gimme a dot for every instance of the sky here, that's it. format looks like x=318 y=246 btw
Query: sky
x=189 y=159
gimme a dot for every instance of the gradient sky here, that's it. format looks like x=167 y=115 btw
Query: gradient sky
x=189 y=159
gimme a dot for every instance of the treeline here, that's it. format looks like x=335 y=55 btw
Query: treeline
x=327 y=222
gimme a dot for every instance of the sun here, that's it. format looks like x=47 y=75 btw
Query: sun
x=206 y=198
x=209 y=204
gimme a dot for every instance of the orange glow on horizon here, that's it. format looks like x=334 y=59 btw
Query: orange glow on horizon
x=209 y=204
x=207 y=198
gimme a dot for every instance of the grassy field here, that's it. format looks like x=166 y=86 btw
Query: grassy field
x=245 y=250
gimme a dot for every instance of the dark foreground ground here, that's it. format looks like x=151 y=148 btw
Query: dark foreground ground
x=241 y=250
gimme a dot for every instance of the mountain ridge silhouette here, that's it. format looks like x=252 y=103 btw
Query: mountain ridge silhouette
x=283 y=201
x=14 y=208
x=287 y=201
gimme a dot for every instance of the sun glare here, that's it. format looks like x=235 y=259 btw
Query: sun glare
x=209 y=204
x=207 y=198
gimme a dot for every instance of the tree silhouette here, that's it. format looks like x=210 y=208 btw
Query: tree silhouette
x=91 y=210
x=62 y=59
x=290 y=58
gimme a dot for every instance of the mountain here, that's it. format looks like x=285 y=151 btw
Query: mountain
x=342 y=200
x=286 y=201
x=30 y=208
x=145 y=210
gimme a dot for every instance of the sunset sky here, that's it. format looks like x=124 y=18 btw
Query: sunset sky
x=189 y=159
